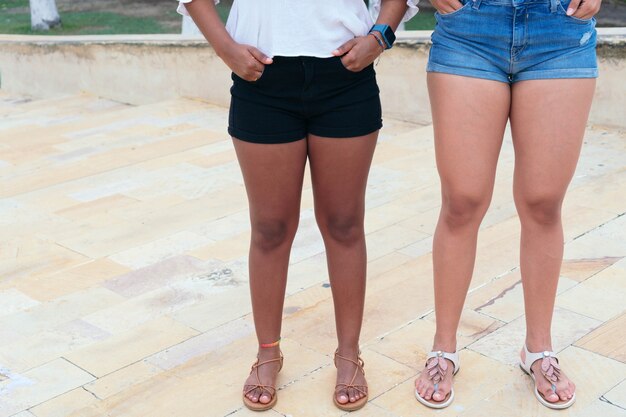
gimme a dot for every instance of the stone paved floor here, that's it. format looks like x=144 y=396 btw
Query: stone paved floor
x=123 y=282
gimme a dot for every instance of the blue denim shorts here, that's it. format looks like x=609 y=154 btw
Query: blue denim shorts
x=514 y=40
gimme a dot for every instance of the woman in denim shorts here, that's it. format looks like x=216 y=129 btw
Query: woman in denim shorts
x=533 y=63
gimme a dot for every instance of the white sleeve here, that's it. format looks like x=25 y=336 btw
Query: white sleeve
x=183 y=10
x=375 y=9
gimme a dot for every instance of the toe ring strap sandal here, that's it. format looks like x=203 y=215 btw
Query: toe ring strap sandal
x=437 y=368
x=264 y=389
x=551 y=370
x=362 y=389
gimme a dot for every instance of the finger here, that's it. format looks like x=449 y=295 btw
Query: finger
x=256 y=66
x=582 y=10
x=455 y=4
x=345 y=48
x=260 y=56
x=445 y=9
x=252 y=76
x=257 y=75
x=449 y=6
x=585 y=11
x=347 y=61
x=573 y=6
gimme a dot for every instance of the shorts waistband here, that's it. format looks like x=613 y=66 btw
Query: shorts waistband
x=516 y=3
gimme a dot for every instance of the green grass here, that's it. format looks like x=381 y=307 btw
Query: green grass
x=424 y=20
x=10 y=4
x=84 y=23
x=87 y=23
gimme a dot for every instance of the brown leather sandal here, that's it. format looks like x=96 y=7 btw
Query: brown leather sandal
x=259 y=406
x=342 y=386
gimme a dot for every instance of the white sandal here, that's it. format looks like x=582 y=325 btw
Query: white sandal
x=436 y=366
x=551 y=371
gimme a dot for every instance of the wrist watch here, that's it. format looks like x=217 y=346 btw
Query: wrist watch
x=387 y=34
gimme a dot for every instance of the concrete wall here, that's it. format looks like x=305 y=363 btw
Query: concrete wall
x=142 y=69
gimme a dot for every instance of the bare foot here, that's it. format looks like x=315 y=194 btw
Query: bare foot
x=425 y=386
x=346 y=371
x=264 y=374
x=563 y=389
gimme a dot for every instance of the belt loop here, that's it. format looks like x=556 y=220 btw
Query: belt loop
x=476 y=4
x=553 y=5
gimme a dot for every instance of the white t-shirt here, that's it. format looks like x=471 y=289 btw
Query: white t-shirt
x=300 y=27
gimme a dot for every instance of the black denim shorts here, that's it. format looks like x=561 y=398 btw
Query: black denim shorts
x=298 y=96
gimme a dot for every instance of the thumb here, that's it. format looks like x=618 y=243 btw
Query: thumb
x=345 y=48
x=260 y=56
x=573 y=6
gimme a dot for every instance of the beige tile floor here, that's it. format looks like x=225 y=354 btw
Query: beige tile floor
x=123 y=278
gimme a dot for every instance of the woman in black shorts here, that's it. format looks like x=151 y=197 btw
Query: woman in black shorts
x=304 y=87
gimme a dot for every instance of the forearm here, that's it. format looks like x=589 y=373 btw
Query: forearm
x=391 y=13
x=205 y=16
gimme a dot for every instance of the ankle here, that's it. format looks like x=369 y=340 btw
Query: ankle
x=268 y=353
x=538 y=344
x=445 y=343
x=349 y=351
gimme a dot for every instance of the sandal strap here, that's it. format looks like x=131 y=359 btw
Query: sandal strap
x=550 y=368
x=361 y=388
x=360 y=363
x=257 y=364
x=263 y=388
x=259 y=385
x=532 y=357
x=452 y=357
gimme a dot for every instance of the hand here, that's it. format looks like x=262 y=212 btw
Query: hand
x=244 y=60
x=447 y=6
x=359 y=52
x=583 y=9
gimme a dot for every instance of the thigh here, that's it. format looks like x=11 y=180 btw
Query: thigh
x=548 y=120
x=273 y=176
x=469 y=118
x=339 y=171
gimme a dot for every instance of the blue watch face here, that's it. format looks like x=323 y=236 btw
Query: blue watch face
x=387 y=33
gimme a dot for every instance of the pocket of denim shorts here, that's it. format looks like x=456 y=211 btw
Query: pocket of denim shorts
x=563 y=8
x=466 y=6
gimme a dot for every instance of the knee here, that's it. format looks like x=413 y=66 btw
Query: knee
x=344 y=229
x=540 y=210
x=461 y=210
x=268 y=235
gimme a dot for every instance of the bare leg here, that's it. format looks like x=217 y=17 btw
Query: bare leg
x=548 y=119
x=469 y=118
x=339 y=171
x=273 y=176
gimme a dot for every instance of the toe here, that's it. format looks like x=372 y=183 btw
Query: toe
x=342 y=398
x=265 y=398
x=438 y=396
x=429 y=393
x=351 y=395
x=550 y=395
x=566 y=393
